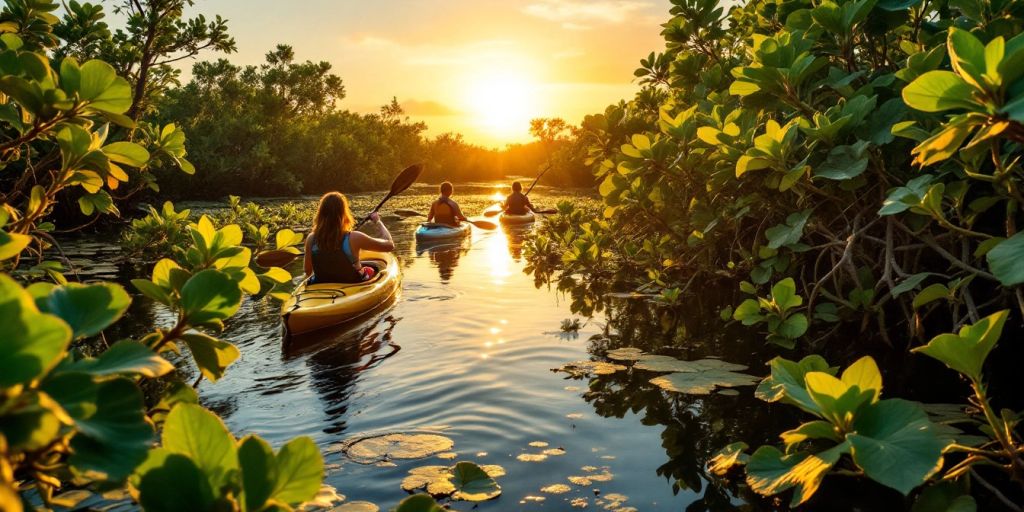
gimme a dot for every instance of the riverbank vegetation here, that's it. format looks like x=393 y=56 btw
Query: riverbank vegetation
x=844 y=167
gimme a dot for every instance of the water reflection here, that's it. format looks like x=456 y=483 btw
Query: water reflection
x=335 y=370
x=695 y=427
x=444 y=256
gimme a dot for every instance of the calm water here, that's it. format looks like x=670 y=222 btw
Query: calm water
x=466 y=351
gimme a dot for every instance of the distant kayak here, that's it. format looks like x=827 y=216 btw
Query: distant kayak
x=526 y=218
x=317 y=306
x=431 y=231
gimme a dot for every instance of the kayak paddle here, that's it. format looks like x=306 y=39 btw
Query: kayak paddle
x=276 y=258
x=482 y=224
x=405 y=179
x=549 y=211
x=491 y=212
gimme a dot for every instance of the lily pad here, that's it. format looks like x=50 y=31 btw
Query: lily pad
x=554 y=452
x=447 y=455
x=539 y=444
x=556 y=489
x=531 y=457
x=469 y=485
x=670 y=364
x=370 y=450
x=358 y=506
x=579 y=503
x=472 y=483
x=702 y=382
x=435 y=479
x=625 y=354
x=585 y=368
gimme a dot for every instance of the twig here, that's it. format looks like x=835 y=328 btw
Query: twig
x=999 y=495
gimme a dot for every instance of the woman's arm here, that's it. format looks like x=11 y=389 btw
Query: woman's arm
x=360 y=240
x=307 y=258
x=458 y=212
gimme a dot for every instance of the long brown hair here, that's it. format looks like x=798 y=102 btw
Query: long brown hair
x=333 y=219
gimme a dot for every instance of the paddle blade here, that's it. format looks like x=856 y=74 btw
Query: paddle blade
x=406 y=178
x=492 y=213
x=409 y=213
x=550 y=211
x=483 y=224
x=276 y=258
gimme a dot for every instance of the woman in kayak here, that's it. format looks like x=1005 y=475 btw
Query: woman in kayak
x=332 y=247
x=445 y=210
x=517 y=203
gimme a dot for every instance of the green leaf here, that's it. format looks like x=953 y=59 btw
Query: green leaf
x=787 y=234
x=966 y=351
x=211 y=355
x=473 y=483
x=896 y=445
x=787 y=382
x=88 y=309
x=784 y=294
x=770 y=472
x=844 y=162
x=910 y=283
x=113 y=434
x=11 y=244
x=419 y=503
x=210 y=295
x=728 y=457
x=103 y=89
x=865 y=375
x=1006 y=260
x=128 y=153
x=816 y=429
x=97 y=202
x=967 y=55
x=174 y=485
x=793 y=326
x=125 y=357
x=31 y=343
x=259 y=472
x=300 y=470
x=936 y=91
x=838 y=401
x=33 y=423
x=930 y=294
x=200 y=435
x=944 y=496
x=287 y=238
x=748 y=312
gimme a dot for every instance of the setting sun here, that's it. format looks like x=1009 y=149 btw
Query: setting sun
x=503 y=103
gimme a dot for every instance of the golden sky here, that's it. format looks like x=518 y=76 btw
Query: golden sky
x=483 y=68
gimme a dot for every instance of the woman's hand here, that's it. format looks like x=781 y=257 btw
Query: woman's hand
x=375 y=217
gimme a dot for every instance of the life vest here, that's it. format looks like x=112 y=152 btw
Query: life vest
x=333 y=264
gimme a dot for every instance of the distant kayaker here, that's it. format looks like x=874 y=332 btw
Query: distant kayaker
x=332 y=247
x=445 y=210
x=517 y=203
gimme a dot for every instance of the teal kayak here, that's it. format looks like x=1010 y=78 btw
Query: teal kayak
x=431 y=231
x=510 y=219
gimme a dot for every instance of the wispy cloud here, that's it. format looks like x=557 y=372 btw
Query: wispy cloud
x=583 y=14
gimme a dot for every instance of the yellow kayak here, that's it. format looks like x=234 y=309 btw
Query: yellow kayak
x=316 y=306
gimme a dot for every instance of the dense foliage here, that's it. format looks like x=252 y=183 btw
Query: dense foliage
x=278 y=129
x=79 y=414
x=853 y=165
